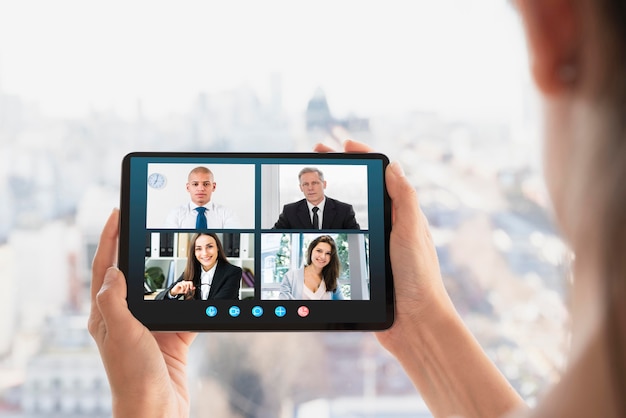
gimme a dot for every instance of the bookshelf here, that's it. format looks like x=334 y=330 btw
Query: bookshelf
x=168 y=251
x=239 y=249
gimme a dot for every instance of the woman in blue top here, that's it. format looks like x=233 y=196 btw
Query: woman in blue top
x=317 y=280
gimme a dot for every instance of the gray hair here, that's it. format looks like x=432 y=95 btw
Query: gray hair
x=311 y=170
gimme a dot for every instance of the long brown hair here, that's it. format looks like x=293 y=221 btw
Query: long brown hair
x=330 y=272
x=193 y=267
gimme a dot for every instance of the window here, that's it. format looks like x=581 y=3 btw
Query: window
x=283 y=252
x=440 y=85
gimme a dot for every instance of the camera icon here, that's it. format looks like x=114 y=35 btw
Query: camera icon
x=234 y=311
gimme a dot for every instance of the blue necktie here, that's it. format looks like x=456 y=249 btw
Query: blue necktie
x=201 y=219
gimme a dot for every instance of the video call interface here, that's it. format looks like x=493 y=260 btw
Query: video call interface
x=228 y=239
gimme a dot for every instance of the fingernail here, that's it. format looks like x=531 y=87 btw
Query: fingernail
x=397 y=169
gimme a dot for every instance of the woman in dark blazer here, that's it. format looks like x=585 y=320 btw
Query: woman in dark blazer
x=207 y=275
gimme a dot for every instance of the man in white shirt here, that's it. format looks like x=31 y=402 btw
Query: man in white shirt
x=201 y=213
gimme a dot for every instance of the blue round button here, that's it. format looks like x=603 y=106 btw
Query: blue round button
x=211 y=311
x=257 y=311
x=280 y=311
x=234 y=311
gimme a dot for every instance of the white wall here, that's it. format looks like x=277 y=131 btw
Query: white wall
x=234 y=189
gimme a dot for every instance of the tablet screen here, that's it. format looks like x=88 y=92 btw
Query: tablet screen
x=236 y=241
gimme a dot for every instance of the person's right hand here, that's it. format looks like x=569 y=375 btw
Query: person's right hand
x=182 y=288
x=438 y=352
x=417 y=278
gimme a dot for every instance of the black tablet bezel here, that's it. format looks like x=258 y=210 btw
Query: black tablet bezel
x=357 y=315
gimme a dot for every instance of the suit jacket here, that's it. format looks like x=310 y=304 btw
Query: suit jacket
x=225 y=284
x=337 y=215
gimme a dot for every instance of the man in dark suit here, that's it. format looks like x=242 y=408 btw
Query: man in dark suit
x=316 y=210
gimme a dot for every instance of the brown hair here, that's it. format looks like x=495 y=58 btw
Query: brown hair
x=193 y=268
x=330 y=272
x=611 y=164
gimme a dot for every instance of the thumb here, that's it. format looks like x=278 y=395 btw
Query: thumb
x=111 y=300
x=405 y=206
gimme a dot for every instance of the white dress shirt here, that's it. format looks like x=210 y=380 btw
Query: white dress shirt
x=206 y=279
x=217 y=216
x=320 y=212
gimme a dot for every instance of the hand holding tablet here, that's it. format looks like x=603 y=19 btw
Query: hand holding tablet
x=242 y=241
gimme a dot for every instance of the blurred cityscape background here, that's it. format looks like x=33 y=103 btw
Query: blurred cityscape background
x=441 y=86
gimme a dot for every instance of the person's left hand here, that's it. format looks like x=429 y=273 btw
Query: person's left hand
x=146 y=371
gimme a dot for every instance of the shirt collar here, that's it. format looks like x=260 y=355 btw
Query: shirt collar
x=320 y=205
x=209 y=206
x=207 y=276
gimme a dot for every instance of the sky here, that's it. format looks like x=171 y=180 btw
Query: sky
x=370 y=57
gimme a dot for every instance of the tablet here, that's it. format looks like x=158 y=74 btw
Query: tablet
x=256 y=241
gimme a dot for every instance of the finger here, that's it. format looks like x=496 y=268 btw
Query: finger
x=171 y=341
x=106 y=254
x=403 y=195
x=348 y=145
x=319 y=147
x=181 y=289
x=355 y=146
x=111 y=300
